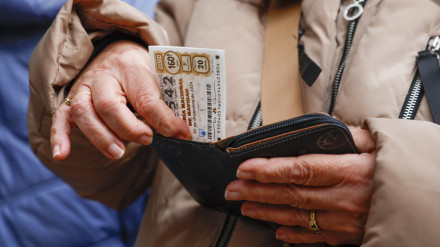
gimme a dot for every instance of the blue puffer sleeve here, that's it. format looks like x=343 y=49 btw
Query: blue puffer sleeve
x=28 y=12
x=41 y=12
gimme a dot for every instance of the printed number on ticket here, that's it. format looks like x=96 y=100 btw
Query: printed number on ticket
x=192 y=82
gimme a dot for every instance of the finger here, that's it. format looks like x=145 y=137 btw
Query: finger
x=60 y=132
x=298 y=235
x=92 y=126
x=348 y=198
x=280 y=214
x=143 y=93
x=335 y=221
x=310 y=170
x=282 y=194
x=113 y=110
x=363 y=140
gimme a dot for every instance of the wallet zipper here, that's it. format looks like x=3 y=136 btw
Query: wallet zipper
x=301 y=122
x=352 y=14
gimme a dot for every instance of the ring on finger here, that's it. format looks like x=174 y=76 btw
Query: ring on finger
x=68 y=100
x=313 y=222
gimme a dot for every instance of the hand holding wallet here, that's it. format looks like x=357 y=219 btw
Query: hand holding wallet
x=205 y=169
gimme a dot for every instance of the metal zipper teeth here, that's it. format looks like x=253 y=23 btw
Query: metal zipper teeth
x=347 y=47
x=413 y=100
x=257 y=120
x=307 y=120
x=227 y=230
x=416 y=92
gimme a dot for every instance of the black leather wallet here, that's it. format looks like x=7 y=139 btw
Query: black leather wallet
x=205 y=169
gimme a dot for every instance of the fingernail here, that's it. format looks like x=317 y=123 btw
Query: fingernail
x=145 y=140
x=248 y=211
x=56 y=151
x=233 y=196
x=245 y=175
x=115 y=151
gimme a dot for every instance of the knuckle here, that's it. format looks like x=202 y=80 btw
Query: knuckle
x=129 y=64
x=356 y=209
x=350 y=207
x=106 y=106
x=269 y=172
x=300 y=172
x=147 y=104
x=79 y=108
x=55 y=130
x=288 y=195
x=131 y=133
x=126 y=58
x=150 y=108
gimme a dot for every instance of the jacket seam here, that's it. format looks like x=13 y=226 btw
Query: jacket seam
x=106 y=22
x=61 y=54
x=34 y=190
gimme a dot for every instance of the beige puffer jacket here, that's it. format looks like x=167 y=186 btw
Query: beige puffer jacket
x=405 y=208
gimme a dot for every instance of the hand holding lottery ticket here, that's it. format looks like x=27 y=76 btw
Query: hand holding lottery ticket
x=192 y=83
x=120 y=76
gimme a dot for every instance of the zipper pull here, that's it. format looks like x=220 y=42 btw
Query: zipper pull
x=428 y=65
x=354 y=10
x=434 y=46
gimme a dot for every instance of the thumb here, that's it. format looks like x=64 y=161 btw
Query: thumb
x=363 y=140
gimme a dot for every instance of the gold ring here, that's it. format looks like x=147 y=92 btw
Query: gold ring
x=68 y=100
x=313 y=223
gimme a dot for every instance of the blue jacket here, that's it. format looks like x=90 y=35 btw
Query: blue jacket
x=36 y=207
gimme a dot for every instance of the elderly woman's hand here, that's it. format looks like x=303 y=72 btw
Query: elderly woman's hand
x=120 y=74
x=287 y=190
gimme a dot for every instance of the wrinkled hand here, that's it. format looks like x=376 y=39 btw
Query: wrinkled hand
x=118 y=75
x=284 y=190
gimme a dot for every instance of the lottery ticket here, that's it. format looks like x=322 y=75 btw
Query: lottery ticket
x=192 y=83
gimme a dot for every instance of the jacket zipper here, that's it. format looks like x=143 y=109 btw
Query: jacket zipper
x=416 y=91
x=231 y=220
x=413 y=99
x=227 y=230
x=352 y=14
x=257 y=118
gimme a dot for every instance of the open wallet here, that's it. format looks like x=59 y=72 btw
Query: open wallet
x=205 y=169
